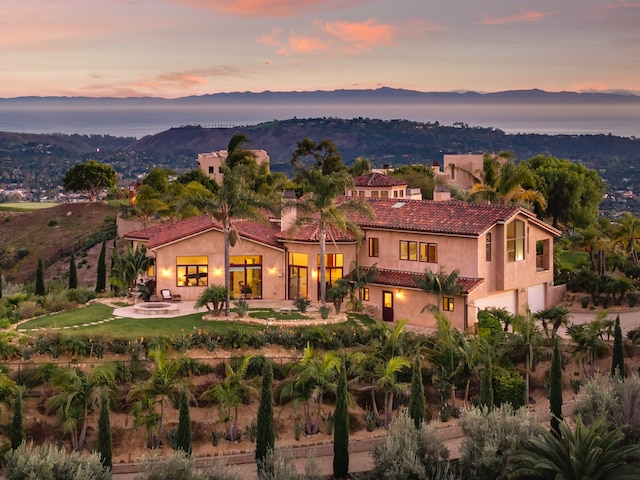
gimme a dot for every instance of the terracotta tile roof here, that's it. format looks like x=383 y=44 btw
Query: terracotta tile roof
x=376 y=179
x=451 y=217
x=397 y=278
x=169 y=232
x=309 y=233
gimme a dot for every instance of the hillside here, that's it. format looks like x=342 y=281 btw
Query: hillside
x=52 y=234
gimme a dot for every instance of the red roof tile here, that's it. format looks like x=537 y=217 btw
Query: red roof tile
x=450 y=217
x=397 y=278
x=169 y=232
x=376 y=179
x=310 y=233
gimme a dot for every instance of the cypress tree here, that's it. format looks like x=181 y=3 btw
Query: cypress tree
x=341 y=432
x=266 y=438
x=555 y=389
x=101 y=281
x=183 y=434
x=105 y=439
x=73 y=272
x=0 y=283
x=417 y=400
x=617 y=366
x=486 y=383
x=40 y=289
x=16 y=429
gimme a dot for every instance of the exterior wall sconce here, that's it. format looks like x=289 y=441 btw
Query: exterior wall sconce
x=217 y=271
x=166 y=272
x=314 y=274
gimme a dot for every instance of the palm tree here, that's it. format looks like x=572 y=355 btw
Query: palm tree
x=471 y=351
x=387 y=381
x=75 y=396
x=237 y=154
x=128 y=265
x=588 y=341
x=441 y=284
x=165 y=381
x=557 y=316
x=233 y=200
x=319 y=205
x=627 y=234
x=313 y=376
x=528 y=340
x=593 y=452
x=445 y=352
x=231 y=393
x=595 y=242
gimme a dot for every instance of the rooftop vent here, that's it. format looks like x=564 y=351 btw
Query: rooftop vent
x=398 y=204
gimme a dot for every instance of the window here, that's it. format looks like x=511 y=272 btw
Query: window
x=220 y=169
x=447 y=304
x=515 y=241
x=488 y=246
x=373 y=247
x=246 y=276
x=384 y=194
x=374 y=194
x=211 y=170
x=429 y=252
x=361 y=193
x=354 y=193
x=364 y=294
x=192 y=271
x=395 y=194
x=408 y=250
x=298 y=275
x=542 y=255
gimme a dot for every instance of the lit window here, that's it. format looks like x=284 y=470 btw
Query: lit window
x=515 y=241
x=447 y=304
x=374 y=194
x=408 y=250
x=361 y=193
x=373 y=247
x=364 y=294
x=192 y=271
x=384 y=194
x=429 y=252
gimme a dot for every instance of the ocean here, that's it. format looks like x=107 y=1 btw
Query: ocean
x=139 y=121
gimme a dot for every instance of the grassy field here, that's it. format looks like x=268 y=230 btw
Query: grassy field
x=84 y=320
x=25 y=206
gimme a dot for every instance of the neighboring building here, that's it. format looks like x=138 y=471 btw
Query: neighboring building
x=211 y=163
x=460 y=169
x=504 y=256
x=379 y=185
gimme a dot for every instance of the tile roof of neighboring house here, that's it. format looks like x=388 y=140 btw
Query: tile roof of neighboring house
x=169 y=232
x=376 y=179
x=397 y=278
x=451 y=217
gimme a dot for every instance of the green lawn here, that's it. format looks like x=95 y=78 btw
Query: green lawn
x=570 y=259
x=25 y=206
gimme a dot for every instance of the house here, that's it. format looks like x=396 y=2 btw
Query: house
x=459 y=169
x=211 y=163
x=504 y=256
x=380 y=185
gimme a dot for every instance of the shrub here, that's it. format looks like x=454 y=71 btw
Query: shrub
x=29 y=309
x=177 y=466
x=324 y=310
x=508 y=387
x=214 y=295
x=302 y=303
x=279 y=465
x=81 y=295
x=50 y=461
x=242 y=307
x=408 y=452
x=490 y=436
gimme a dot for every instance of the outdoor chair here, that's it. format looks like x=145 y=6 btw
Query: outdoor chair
x=167 y=296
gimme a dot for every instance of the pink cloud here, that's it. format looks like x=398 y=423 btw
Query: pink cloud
x=599 y=10
x=523 y=16
x=302 y=44
x=361 y=35
x=269 y=8
x=271 y=40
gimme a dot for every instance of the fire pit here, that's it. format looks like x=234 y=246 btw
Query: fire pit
x=155 y=308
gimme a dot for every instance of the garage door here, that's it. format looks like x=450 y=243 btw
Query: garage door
x=537 y=297
x=506 y=300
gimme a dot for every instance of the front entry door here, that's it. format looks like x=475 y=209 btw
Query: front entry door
x=387 y=306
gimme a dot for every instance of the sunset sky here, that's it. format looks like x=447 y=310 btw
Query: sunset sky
x=175 y=48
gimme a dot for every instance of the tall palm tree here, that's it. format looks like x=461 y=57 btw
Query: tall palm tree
x=445 y=352
x=593 y=452
x=237 y=154
x=313 y=376
x=231 y=393
x=527 y=339
x=165 y=381
x=233 y=200
x=627 y=234
x=75 y=396
x=320 y=205
x=386 y=380
x=441 y=284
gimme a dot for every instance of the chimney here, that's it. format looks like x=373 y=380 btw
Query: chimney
x=441 y=193
x=288 y=215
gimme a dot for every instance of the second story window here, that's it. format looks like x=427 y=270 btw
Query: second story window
x=408 y=250
x=515 y=241
x=488 y=246
x=447 y=304
x=373 y=247
x=429 y=252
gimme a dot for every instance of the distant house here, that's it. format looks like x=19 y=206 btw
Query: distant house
x=211 y=163
x=379 y=185
x=504 y=256
x=459 y=169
